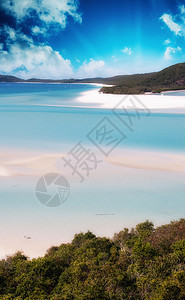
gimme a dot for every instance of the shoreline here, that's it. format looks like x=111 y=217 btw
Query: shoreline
x=173 y=91
x=155 y=103
x=98 y=84
x=84 y=83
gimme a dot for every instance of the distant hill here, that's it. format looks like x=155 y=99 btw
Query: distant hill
x=171 y=78
x=5 y=78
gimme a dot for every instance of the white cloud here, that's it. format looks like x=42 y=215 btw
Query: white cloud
x=26 y=59
x=13 y=35
x=127 y=50
x=167 y=42
x=169 y=51
x=97 y=68
x=48 y=11
x=93 y=68
x=35 y=61
x=173 y=26
x=182 y=9
x=37 y=30
x=176 y=23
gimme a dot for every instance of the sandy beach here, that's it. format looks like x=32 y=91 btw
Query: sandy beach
x=156 y=103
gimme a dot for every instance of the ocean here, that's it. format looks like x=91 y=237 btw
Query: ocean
x=48 y=119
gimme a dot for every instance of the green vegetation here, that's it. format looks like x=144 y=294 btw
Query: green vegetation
x=172 y=78
x=143 y=263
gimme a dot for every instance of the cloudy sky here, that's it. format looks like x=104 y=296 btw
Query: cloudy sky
x=88 y=38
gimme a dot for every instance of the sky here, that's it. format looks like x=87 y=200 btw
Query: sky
x=90 y=38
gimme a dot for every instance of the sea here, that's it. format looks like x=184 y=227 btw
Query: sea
x=43 y=118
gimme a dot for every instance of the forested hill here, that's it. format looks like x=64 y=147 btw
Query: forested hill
x=143 y=263
x=6 y=78
x=171 y=78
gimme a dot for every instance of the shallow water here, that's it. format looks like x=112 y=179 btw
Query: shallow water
x=175 y=93
x=111 y=198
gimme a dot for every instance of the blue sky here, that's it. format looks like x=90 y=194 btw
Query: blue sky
x=69 y=38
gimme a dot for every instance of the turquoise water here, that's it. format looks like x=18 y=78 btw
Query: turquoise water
x=51 y=127
x=29 y=121
x=28 y=94
x=28 y=118
x=175 y=93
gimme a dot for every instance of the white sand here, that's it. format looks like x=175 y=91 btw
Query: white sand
x=157 y=103
x=29 y=164
x=149 y=160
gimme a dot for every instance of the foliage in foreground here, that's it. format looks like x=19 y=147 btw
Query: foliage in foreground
x=144 y=263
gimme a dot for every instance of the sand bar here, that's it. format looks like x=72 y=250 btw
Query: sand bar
x=29 y=164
